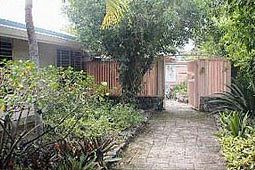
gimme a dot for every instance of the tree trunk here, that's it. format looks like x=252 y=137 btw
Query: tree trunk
x=32 y=42
x=34 y=56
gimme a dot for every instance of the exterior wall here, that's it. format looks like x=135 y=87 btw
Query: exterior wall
x=176 y=72
x=207 y=77
x=47 y=52
x=19 y=49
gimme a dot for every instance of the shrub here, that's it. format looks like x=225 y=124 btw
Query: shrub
x=237 y=140
x=179 y=89
x=124 y=116
x=239 y=152
x=73 y=110
x=21 y=87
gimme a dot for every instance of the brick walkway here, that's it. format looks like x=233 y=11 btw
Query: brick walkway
x=179 y=138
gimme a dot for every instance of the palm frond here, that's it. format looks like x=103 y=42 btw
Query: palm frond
x=115 y=9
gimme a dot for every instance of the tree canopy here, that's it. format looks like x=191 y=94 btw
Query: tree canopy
x=146 y=29
x=230 y=30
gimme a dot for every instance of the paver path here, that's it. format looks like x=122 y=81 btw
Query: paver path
x=179 y=138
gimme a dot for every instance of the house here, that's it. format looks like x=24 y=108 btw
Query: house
x=64 y=50
x=176 y=71
x=54 y=48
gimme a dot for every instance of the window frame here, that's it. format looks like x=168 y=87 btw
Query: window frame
x=6 y=41
x=71 y=62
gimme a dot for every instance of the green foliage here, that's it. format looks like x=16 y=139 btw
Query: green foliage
x=87 y=17
x=115 y=10
x=124 y=116
x=146 y=29
x=83 y=154
x=237 y=140
x=239 y=27
x=240 y=97
x=21 y=87
x=239 y=152
x=181 y=89
x=234 y=123
x=208 y=33
x=72 y=106
x=230 y=30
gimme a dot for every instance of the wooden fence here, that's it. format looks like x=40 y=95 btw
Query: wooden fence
x=108 y=71
x=206 y=77
x=105 y=71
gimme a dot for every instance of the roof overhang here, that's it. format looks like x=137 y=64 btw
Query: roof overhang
x=12 y=32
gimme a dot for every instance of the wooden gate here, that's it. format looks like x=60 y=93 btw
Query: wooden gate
x=206 y=77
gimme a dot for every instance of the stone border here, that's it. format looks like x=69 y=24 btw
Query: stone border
x=128 y=136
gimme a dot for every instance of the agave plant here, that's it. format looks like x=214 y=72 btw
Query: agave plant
x=239 y=97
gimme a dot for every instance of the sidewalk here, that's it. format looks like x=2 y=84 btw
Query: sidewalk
x=179 y=138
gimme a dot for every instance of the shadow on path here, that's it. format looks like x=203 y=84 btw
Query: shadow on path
x=179 y=138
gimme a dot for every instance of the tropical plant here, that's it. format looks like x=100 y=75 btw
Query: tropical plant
x=234 y=123
x=115 y=10
x=74 y=155
x=239 y=97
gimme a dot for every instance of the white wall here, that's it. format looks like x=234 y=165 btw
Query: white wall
x=47 y=52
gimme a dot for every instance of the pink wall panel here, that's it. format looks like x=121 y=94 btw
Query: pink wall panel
x=207 y=77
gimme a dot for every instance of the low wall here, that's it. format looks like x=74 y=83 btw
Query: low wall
x=206 y=105
x=144 y=102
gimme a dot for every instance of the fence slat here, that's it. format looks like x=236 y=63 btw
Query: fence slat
x=107 y=71
x=207 y=77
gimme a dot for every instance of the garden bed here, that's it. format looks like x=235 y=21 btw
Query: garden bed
x=125 y=137
x=70 y=124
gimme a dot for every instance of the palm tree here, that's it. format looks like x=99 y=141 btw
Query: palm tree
x=34 y=56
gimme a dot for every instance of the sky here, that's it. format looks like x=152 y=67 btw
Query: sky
x=46 y=13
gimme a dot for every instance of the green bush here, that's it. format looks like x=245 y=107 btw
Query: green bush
x=181 y=89
x=124 y=116
x=239 y=152
x=72 y=106
x=237 y=140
